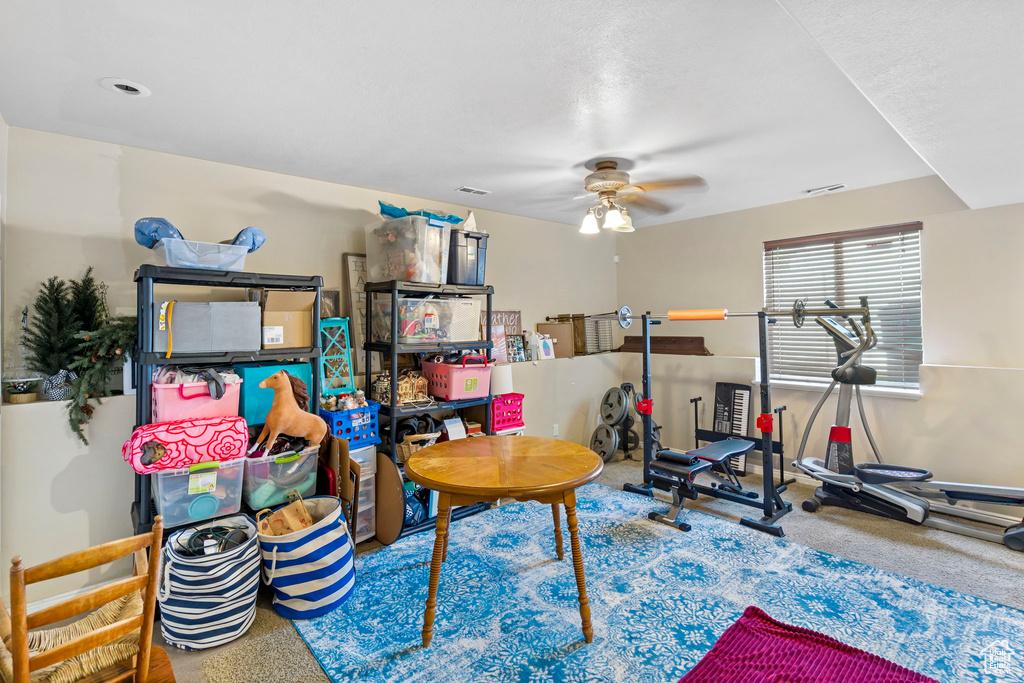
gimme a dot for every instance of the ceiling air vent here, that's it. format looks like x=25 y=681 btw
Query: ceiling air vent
x=824 y=189
x=472 y=190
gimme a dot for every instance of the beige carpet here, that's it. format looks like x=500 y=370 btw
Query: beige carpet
x=273 y=651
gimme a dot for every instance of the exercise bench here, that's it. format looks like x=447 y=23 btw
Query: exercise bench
x=680 y=470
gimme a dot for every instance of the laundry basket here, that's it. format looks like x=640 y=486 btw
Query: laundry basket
x=209 y=600
x=453 y=382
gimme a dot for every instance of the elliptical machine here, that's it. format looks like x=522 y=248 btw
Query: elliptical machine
x=892 y=491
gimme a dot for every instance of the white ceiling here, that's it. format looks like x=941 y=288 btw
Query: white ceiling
x=421 y=96
x=949 y=76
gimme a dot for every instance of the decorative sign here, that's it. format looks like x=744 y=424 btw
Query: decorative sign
x=354 y=267
x=512 y=320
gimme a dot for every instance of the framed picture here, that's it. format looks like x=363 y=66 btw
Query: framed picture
x=512 y=321
x=500 y=352
x=516 y=350
x=354 y=268
x=330 y=303
x=545 y=347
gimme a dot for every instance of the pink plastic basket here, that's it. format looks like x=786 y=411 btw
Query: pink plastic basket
x=507 y=412
x=453 y=382
x=192 y=401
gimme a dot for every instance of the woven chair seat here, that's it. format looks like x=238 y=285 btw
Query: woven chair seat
x=88 y=663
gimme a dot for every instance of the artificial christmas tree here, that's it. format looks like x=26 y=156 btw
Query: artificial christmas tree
x=50 y=337
x=88 y=302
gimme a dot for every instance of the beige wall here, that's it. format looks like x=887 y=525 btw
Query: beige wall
x=4 y=131
x=4 y=134
x=59 y=494
x=973 y=319
x=74 y=203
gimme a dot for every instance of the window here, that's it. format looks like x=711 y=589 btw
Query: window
x=883 y=264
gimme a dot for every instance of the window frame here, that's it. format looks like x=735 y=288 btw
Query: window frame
x=771 y=302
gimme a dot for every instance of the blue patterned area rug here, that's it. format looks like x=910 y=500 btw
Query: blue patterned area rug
x=507 y=609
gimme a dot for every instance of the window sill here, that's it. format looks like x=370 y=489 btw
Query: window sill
x=879 y=392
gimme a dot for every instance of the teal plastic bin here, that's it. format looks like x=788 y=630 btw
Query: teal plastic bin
x=254 y=403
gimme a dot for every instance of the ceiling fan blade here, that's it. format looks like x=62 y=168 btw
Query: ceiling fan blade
x=639 y=201
x=689 y=181
x=584 y=196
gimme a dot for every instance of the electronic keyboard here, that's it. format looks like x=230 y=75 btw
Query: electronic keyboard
x=732 y=416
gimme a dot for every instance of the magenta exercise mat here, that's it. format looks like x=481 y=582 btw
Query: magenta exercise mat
x=758 y=649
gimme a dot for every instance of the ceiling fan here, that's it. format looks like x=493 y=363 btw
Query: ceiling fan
x=614 y=188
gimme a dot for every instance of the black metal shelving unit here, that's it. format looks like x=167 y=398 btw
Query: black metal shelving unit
x=143 y=509
x=394 y=288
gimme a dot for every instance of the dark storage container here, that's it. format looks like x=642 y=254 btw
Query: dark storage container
x=467 y=257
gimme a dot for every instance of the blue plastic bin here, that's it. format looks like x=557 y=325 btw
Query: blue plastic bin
x=254 y=403
x=358 y=425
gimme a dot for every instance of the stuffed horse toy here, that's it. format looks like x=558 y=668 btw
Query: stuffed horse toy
x=288 y=412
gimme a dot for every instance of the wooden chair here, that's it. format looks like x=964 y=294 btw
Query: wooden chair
x=111 y=643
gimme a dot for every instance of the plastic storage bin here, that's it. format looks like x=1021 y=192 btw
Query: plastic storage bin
x=367 y=492
x=366 y=524
x=207 y=255
x=205 y=327
x=367 y=459
x=192 y=400
x=359 y=425
x=467 y=257
x=452 y=382
x=427 y=320
x=255 y=402
x=413 y=249
x=507 y=412
x=269 y=480
x=202 y=491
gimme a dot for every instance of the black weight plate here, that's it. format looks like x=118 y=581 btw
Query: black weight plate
x=614 y=406
x=604 y=442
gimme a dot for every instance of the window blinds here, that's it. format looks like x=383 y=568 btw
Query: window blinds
x=883 y=264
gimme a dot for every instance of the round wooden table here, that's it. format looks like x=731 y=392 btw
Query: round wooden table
x=487 y=468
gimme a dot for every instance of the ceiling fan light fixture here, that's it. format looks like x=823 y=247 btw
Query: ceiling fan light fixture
x=627 y=223
x=589 y=224
x=613 y=219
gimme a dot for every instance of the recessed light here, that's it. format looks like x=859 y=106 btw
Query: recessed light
x=125 y=87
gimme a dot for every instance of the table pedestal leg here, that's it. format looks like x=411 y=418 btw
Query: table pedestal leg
x=440 y=533
x=558 y=531
x=569 y=497
x=447 y=530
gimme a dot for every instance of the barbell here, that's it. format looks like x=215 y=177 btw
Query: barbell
x=625 y=317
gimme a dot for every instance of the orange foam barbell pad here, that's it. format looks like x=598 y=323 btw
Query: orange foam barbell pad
x=699 y=314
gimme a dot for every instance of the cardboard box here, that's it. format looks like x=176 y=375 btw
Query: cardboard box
x=579 y=331
x=562 y=334
x=287 y=318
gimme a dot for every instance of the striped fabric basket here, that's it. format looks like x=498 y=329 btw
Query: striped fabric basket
x=209 y=600
x=311 y=571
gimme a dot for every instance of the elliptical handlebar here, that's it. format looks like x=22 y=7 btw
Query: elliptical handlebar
x=867 y=340
x=866 y=335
